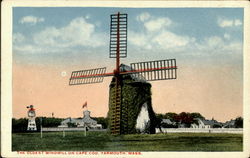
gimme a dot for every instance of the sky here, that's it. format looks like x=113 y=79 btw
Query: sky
x=49 y=43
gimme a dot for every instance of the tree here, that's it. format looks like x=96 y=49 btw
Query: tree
x=49 y=121
x=184 y=118
x=239 y=122
x=19 y=125
x=170 y=115
x=102 y=120
x=160 y=116
x=197 y=115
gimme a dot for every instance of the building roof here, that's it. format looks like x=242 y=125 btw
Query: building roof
x=71 y=120
x=229 y=123
x=168 y=121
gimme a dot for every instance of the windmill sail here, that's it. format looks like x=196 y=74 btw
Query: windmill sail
x=155 y=70
x=118 y=35
x=87 y=76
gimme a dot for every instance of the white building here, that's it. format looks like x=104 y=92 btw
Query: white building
x=86 y=121
x=202 y=124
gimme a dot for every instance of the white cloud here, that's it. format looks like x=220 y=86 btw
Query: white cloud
x=237 y=22
x=222 y=22
x=157 y=24
x=227 y=36
x=214 y=41
x=143 y=17
x=152 y=23
x=217 y=45
x=156 y=35
x=77 y=33
x=31 y=20
x=18 y=38
x=168 y=40
x=28 y=48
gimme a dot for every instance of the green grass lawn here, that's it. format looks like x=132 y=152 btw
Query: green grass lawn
x=102 y=141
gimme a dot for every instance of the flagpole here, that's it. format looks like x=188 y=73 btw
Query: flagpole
x=41 y=128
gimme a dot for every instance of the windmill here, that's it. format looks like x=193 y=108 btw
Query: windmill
x=150 y=70
x=31 y=120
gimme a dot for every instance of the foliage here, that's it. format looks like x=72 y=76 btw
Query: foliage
x=102 y=120
x=171 y=116
x=102 y=141
x=19 y=125
x=197 y=115
x=134 y=95
x=184 y=118
x=239 y=122
x=49 y=121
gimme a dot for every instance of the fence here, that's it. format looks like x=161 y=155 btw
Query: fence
x=200 y=130
x=54 y=129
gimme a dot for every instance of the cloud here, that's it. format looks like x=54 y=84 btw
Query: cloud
x=217 y=45
x=214 y=41
x=152 y=23
x=164 y=40
x=237 y=22
x=138 y=39
x=222 y=22
x=227 y=36
x=18 y=38
x=77 y=34
x=28 y=48
x=157 y=34
x=143 y=17
x=31 y=20
x=168 y=40
x=157 y=24
x=160 y=35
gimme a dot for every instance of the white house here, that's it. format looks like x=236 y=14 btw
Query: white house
x=202 y=124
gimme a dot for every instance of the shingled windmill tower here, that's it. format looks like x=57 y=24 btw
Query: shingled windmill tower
x=126 y=80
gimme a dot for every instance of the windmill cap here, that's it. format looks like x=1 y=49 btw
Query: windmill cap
x=137 y=77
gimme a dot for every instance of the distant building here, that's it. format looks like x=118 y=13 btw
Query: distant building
x=229 y=124
x=202 y=123
x=86 y=121
x=167 y=121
